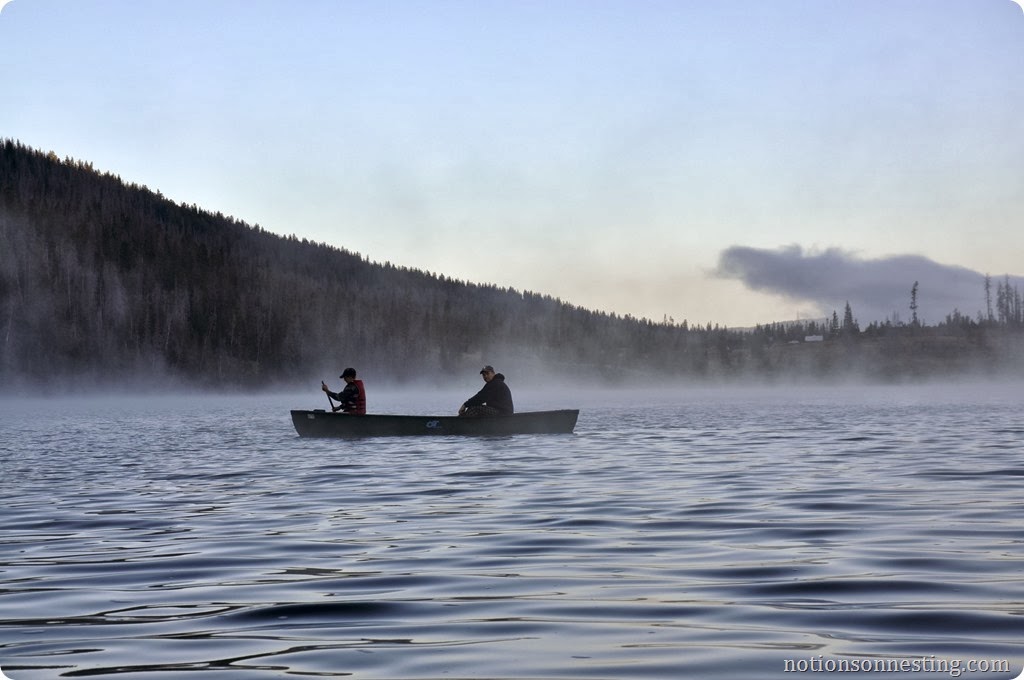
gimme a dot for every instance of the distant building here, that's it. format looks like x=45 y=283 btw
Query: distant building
x=814 y=338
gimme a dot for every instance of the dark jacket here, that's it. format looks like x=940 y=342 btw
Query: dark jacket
x=352 y=398
x=495 y=394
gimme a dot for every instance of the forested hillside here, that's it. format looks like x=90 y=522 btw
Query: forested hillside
x=105 y=282
x=108 y=281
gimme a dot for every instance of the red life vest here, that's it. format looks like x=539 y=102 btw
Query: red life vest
x=360 y=409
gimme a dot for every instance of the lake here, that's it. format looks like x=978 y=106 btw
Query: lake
x=692 y=533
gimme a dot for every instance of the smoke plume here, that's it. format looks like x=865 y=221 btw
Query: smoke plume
x=877 y=289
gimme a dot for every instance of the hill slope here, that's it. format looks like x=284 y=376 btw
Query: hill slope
x=108 y=281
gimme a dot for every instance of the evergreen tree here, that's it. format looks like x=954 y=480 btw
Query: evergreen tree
x=913 y=306
x=850 y=326
x=988 y=298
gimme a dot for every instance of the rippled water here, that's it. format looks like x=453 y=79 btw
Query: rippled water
x=696 y=534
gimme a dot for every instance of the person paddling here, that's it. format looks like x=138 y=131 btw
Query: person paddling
x=352 y=399
x=495 y=399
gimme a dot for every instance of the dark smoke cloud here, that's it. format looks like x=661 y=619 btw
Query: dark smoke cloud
x=876 y=289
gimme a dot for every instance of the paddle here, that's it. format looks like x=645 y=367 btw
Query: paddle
x=329 y=400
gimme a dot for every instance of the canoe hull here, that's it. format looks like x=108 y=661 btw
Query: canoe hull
x=320 y=423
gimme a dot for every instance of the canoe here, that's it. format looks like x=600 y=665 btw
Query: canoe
x=320 y=423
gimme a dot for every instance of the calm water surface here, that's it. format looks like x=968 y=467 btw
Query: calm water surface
x=696 y=534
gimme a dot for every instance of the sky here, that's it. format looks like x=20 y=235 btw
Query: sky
x=732 y=162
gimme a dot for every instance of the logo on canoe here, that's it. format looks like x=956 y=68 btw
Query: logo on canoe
x=433 y=424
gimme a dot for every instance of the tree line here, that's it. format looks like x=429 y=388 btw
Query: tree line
x=107 y=281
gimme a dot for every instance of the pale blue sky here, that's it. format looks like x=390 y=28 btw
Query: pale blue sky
x=605 y=152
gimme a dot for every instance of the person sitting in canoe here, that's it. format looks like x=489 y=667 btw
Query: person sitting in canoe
x=352 y=399
x=495 y=399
